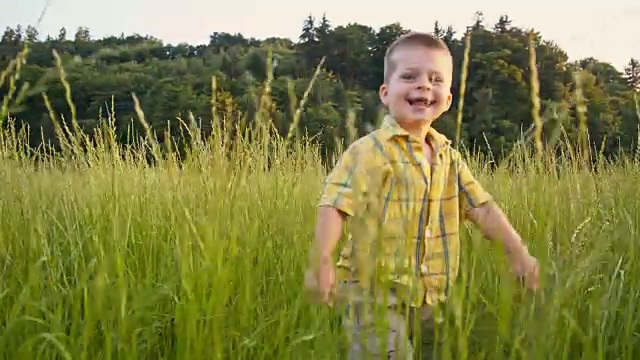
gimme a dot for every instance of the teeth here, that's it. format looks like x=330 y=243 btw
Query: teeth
x=426 y=102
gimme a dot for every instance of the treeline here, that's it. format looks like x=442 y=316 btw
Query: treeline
x=175 y=80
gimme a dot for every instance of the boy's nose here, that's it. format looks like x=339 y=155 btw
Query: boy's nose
x=424 y=84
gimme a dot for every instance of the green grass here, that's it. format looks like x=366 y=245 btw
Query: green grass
x=103 y=256
x=205 y=260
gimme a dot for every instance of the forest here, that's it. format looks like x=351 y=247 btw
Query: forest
x=175 y=82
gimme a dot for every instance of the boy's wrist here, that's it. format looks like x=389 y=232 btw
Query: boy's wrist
x=320 y=256
x=516 y=247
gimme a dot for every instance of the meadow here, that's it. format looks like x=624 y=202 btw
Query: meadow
x=106 y=256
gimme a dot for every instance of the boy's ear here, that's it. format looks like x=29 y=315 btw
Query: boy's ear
x=383 y=92
x=449 y=100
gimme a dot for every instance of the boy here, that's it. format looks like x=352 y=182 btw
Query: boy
x=424 y=191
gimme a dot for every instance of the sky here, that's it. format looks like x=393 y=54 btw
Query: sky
x=605 y=31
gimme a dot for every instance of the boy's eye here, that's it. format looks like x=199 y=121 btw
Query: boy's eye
x=437 y=79
x=412 y=76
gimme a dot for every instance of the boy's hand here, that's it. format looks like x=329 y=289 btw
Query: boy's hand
x=526 y=267
x=494 y=225
x=321 y=281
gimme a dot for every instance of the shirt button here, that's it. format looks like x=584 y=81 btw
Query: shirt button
x=423 y=269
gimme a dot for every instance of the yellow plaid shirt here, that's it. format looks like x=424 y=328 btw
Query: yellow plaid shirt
x=384 y=179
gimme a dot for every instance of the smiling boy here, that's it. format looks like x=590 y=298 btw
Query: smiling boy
x=425 y=191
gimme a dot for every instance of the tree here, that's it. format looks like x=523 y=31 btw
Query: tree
x=83 y=34
x=438 y=31
x=31 y=34
x=632 y=74
x=503 y=25
x=62 y=34
x=308 y=35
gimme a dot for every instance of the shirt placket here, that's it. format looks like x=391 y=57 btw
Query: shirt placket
x=430 y=172
x=426 y=169
x=435 y=173
x=423 y=231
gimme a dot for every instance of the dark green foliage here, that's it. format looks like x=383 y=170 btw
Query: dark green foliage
x=173 y=80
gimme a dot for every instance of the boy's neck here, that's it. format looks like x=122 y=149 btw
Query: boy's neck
x=418 y=131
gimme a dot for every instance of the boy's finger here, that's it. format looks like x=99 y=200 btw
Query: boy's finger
x=534 y=276
x=327 y=298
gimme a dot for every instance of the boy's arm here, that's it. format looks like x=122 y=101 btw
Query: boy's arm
x=478 y=206
x=336 y=204
x=329 y=225
x=493 y=224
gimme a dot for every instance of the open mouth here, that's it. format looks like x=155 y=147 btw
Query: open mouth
x=421 y=101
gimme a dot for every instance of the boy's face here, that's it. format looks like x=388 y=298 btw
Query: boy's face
x=419 y=89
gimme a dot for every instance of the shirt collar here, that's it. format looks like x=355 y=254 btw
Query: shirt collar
x=391 y=129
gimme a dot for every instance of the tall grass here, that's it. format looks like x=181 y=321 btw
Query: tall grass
x=105 y=256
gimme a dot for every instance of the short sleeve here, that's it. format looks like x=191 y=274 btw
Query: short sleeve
x=349 y=180
x=472 y=194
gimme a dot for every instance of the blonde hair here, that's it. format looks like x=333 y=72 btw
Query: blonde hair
x=411 y=39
